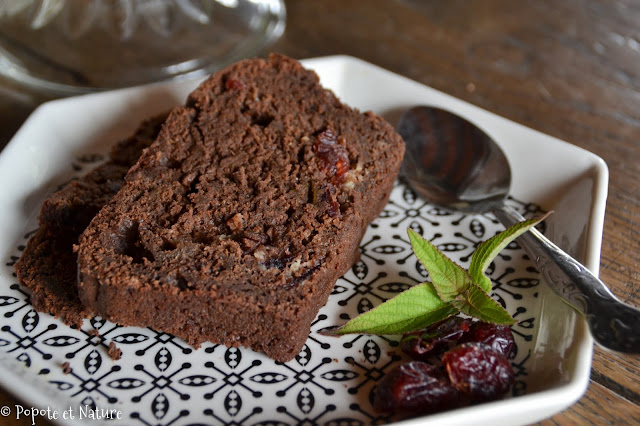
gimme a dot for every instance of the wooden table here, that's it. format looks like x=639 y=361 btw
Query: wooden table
x=570 y=69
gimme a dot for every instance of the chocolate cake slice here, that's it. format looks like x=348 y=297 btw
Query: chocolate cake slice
x=235 y=224
x=48 y=265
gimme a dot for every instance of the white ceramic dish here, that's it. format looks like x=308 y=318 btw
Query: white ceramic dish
x=160 y=380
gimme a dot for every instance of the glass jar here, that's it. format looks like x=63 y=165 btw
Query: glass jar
x=76 y=46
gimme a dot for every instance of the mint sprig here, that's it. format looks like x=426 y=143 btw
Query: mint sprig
x=452 y=290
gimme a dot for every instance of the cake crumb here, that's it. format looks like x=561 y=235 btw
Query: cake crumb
x=236 y=222
x=93 y=332
x=114 y=352
x=66 y=368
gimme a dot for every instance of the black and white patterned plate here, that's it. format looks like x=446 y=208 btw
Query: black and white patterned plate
x=161 y=381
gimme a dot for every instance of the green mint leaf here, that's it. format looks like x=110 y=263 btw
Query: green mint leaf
x=448 y=278
x=411 y=310
x=477 y=303
x=489 y=249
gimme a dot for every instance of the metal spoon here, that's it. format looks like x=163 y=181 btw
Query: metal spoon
x=453 y=163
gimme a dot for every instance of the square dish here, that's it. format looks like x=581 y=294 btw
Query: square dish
x=159 y=379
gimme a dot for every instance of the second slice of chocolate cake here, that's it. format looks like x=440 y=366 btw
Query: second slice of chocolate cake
x=48 y=265
x=235 y=224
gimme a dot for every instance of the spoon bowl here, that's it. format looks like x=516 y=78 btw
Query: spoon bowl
x=452 y=163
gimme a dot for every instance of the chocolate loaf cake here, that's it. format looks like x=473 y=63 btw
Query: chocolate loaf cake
x=237 y=221
x=48 y=265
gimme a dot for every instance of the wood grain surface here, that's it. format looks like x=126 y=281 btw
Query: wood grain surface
x=570 y=69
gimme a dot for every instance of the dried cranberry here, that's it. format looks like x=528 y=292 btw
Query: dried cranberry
x=499 y=337
x=327 y=137
x=479 y=371
x=415 y=387
x=436 y=339
x=334 y=156
x=233 y=84
x=329 y=196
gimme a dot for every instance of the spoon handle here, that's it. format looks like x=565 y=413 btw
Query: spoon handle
x=613 y=324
